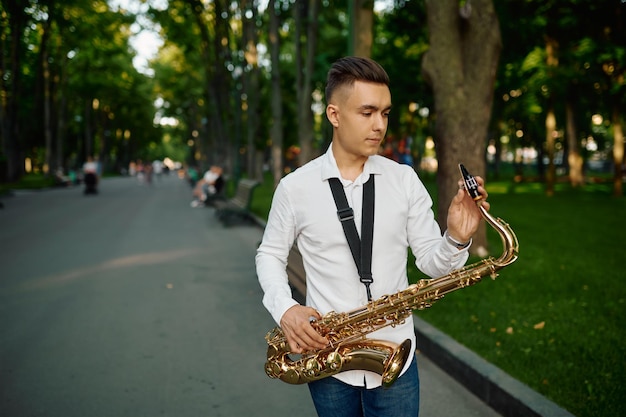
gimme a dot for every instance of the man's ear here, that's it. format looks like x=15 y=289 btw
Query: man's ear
x=332 y=113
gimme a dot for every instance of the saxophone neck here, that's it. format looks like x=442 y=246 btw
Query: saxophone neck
x=510 y=244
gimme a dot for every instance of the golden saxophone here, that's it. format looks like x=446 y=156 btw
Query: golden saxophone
x=348 y=347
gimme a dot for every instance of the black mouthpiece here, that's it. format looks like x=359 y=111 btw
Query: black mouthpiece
x=470 y=183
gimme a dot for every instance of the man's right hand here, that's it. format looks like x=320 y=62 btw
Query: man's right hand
x=296 y=325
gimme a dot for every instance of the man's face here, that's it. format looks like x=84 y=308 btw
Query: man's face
x=360 y=116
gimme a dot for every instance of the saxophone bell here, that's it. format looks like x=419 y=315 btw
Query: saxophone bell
x=380 y=356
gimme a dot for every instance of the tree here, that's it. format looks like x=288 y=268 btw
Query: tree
x=190 y=73
x=251 y=77
x=306 y=15
x=401 y=41
x=14 y=20
x=71 y=68
x=276 y=133
x=562 y=62
x=460 y=66
x=362 y=18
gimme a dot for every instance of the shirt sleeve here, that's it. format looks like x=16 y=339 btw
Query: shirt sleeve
x=272 y=254
x=434 y=255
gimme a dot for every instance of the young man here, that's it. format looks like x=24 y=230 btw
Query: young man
x=304 y=210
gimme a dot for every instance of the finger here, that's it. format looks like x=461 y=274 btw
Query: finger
x=299 y=343
x=481 y=186
x=460 y=195
x=320 y=340
x=314 y=313
x=293 y=345
x=302 y=336
x=309 y=338
x=314 y=340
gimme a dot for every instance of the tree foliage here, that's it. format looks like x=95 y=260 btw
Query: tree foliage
x=69 y=87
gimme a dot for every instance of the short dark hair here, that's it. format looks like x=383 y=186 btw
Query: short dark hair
x=347 y=70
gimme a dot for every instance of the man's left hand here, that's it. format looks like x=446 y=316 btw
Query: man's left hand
x=463 y=213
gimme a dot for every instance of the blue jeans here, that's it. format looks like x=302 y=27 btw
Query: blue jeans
x=333 y=398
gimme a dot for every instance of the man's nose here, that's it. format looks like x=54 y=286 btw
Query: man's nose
x=380 y=122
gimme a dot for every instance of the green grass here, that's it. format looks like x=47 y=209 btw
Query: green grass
x=554 y=318
x=28 y=182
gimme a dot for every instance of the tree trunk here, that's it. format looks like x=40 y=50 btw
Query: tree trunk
x=60 y=135
x=88 y=146
x=47 y=97
x=618 y=152
x=214 y=55
x=276 y=98
x=574 y=158
x=202 y=140
x=11 y=81
x=361 y=36
x=552 y=61
x=226 y=113
x=550 y=141
x=306 y=19
x=251 y=81
x=461 y=68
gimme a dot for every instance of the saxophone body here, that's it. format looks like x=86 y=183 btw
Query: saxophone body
x=350 y=349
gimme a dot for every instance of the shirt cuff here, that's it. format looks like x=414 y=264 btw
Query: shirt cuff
x=456 y=244
x=278 y=313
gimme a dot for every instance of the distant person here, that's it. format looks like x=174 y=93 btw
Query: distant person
x=73 y=176
x=140 y=171
x=147 y=174
x=192 y=175
x=209 y=187
x=132 y=168
x=157 y=169
x=90 y=174
x=406 y=157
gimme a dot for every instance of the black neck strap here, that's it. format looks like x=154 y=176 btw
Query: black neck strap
x=361 y=248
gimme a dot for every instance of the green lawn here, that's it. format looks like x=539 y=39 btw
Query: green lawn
x=553 y=319
x=30 y=181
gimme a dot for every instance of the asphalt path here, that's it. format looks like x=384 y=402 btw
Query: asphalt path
x=132 y=303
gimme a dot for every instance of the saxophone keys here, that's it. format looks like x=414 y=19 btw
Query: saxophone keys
x=334 y=360
x=312 y=367
x=291 y=377
x=273 y=369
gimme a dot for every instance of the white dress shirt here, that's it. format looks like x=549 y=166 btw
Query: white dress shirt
x=303 y=210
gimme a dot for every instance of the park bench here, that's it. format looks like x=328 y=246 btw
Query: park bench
x=236 y=210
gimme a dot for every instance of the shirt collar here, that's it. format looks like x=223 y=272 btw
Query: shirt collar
x=330 y=169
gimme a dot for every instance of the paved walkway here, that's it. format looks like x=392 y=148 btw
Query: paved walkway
x=132 y=303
